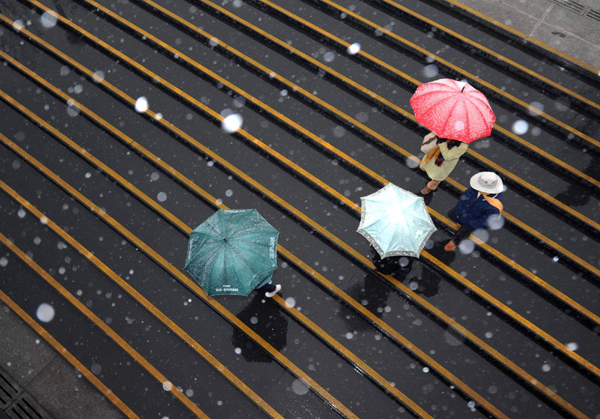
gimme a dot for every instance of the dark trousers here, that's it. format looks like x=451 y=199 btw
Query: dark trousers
x=463 y=232
x=267 y=288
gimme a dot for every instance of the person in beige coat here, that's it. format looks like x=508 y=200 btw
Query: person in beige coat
x=440 y=162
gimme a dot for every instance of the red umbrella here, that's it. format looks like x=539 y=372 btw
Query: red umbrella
x=453 y=110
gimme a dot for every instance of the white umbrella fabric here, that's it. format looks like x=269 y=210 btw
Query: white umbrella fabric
x=395 y=222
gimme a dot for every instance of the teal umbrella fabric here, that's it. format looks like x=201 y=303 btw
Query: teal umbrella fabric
x=232 y=252
x=395 y=222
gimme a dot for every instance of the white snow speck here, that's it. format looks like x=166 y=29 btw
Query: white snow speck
x=412 y=163
x=290 y=302
x=239 y=102
x=535 y=108
x=520 y=127
x=494 y=222
x=141 y=104
x=96 y=368
x=339 y=131
x=573 y=346
x=49 y=19
x=431 y=71
x=329 y=57
x=238 y=350
x=482 y=234
x=162 y=196
x=72 y=108
x=299 y=387
x=98 y=76
x=3 y=262
x=354 y=48
x=466 y=247
x=18 y=25
x=232 y=123
x=45 y=312
x=167 y=386
x=546 y=367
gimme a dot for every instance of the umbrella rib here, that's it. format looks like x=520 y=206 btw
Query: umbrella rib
x=482 y=114
x=451 y=112
x=467 y=125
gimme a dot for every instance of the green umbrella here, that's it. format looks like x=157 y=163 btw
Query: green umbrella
x=232 y=252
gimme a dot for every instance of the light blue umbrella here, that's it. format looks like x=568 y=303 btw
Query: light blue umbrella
x=232 y=252
x=395 y=222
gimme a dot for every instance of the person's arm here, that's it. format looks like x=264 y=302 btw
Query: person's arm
x=461 y=205
x=454 y=153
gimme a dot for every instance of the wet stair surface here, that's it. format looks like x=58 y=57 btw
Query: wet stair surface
x=102 y=199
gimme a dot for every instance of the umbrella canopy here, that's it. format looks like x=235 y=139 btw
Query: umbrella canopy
x=232 y=252
x=453 y=109
x=395 y=222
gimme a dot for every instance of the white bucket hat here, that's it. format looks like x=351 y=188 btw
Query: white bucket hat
x=487 y=182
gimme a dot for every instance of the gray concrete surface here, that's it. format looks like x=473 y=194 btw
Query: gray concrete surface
x=53 y=382
x=574 y=34
x=64 y=393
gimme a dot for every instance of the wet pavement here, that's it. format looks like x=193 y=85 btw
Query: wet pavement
x=102 y=199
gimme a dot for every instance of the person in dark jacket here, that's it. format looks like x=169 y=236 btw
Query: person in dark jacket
x=479 y=205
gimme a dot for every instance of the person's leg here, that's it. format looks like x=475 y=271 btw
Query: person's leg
x=459 y=236
x=267 y=288
x=452 y=215
x=434 y=184
x=431 y=186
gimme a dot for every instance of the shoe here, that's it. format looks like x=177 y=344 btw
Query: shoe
x=450 y=246
x=272 y=294
x=426 y=190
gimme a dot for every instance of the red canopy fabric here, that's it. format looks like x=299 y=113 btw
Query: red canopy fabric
x=453 y=110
